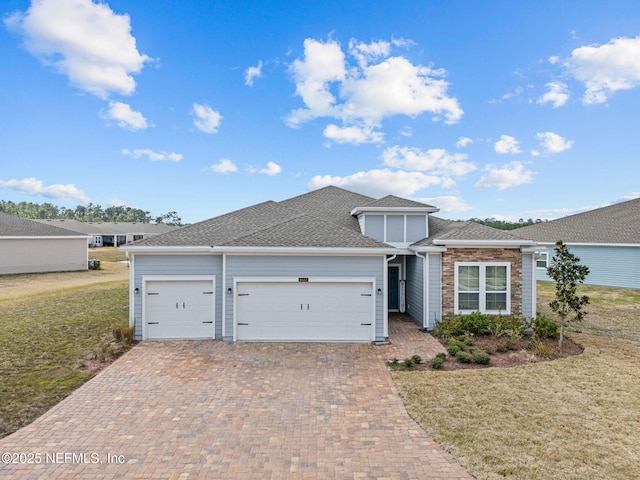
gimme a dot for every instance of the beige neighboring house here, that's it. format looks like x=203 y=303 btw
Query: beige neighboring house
x=27 y=246
x=112 y=234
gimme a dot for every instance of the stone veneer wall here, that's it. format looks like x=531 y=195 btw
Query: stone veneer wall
x=452 y=255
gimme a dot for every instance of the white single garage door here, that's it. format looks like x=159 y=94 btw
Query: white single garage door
x=179 y=309
x=305 y=311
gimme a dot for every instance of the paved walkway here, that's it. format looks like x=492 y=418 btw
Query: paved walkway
x=210 y=409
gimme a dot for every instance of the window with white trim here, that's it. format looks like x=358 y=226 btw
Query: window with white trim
x=542 y=260
x=482 y=287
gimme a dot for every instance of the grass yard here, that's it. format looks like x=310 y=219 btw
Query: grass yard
x=573 y=418
x=52 y=326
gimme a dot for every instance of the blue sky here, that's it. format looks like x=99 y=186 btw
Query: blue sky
x=484 y=109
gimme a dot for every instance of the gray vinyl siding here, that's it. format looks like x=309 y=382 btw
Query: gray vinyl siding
x=374 y=226
x=395 y=228
x=301 y=266
x=434 y=309
x=528 y=300
x=415 y=288
x=416 y=227
x=45 y=254
x=608 y=265
x=176 y=265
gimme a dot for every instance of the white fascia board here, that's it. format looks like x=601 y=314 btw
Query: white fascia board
x=584 y=244
x=45 y=237
x=259 y=250
x=305 y=251
x=484 y=243
x=428 y=249
x=407 y=210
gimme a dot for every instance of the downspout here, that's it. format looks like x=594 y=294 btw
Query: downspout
x=425 y=291
x=132 y=290
x=385 y=300
x=224 y=293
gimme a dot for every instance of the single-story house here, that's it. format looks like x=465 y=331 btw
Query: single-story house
x=328 y=265
x=27 y=246
x=112 y=234
x=607 y=240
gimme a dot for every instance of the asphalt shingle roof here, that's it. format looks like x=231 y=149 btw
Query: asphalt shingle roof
x=619 y=223
x=11 y=226
x=109 y=228
x=318 y=219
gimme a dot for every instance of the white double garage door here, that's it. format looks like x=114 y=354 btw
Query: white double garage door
x=277 y=309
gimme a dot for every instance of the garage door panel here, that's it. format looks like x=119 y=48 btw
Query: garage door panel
x=179 y=309
x=313 y=311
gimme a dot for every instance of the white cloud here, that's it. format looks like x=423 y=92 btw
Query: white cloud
x=207 y=119
x=116 y=202
x=353 y=134
x=372 y=86
x=151 y=155
x=553 y=143
x=271 y=169
x=223 y=166
x=382 y=182
x=447 y=203
x=507 y=144
x=509 y=175
x=406 y=131
x=85 y=41
x=605 y=69
x=463 y=142
x=58 y=191
x=252 y=73
x=122 y=114
x=557 y=95
x=435 y=160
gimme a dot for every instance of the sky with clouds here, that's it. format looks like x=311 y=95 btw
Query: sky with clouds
x=483 y=109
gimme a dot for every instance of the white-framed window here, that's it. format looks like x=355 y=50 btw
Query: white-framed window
x=542 y=260
x=483 y=287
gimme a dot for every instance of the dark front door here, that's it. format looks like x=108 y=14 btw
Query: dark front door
x=394 y=276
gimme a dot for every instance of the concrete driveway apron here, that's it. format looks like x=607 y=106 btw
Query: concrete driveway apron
x=210 y=409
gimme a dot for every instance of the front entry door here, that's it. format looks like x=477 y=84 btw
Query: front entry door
x=394 y=276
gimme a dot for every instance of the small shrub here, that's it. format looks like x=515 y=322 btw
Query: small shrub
x=466 y=339
x=416 y=359
x=480 y=357
x=517 y=326
x=438 y=361
x=545 y=327
x=393 y=364
x=506 y=345
x=498 y=326
x=454 y=346
x=542 y=350
x=489 y=349
x=408 y=364
x=463 y=357
x=123 y=334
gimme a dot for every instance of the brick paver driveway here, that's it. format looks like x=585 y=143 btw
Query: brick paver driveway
x=211 y=409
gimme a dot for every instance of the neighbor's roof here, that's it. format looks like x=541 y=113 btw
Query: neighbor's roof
x=11 y=226
x=619 y=223
x=110 y=228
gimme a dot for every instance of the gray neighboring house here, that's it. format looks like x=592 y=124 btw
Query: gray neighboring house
x=607 y=240
x=112 y=234
x=328 y=265
x=27 y=246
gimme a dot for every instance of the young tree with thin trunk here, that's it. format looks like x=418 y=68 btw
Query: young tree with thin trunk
x=568 y=274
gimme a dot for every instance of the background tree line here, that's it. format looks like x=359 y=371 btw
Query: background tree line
x=504 y=225
x=88 y=213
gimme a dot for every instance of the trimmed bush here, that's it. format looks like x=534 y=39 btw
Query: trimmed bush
x=480 y=356
x=454 y=346
x=463 y=357
x=416 y=359
x=438 y=361
x=545 y=327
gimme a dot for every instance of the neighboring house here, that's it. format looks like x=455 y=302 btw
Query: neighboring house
x=607 y=240
x=328 y=265
x=27 y=246
x=112 y=234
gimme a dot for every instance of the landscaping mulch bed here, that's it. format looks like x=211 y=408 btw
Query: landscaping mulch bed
x=520 y=353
